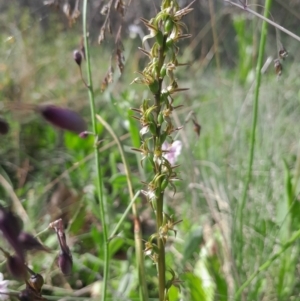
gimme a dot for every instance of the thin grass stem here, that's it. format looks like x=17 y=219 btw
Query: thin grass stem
x=97 y=155
x=215 y=35
x=261 y=52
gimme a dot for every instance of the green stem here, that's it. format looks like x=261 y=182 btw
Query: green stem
x=264 y=266
x=262 y=44
x=99 y=183
x=161 y=263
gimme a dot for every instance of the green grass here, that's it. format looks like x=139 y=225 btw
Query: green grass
x=213 y=172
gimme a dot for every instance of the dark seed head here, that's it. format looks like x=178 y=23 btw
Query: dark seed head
x=4 y=126
x=65 y=262
x=63 y=118
x=25 y=295
x=11 y=227
x=77 y=57
x=29 y=243
x=36 y=282
x=16 y=267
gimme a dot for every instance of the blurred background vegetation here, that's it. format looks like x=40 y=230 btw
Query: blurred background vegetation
x=51 y=172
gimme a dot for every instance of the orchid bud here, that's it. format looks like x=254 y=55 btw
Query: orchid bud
x=169 y=24
x=4 y=126
x=29 y=243
x=16 y=267
x=77 y=57
x=65 y=262
x=63 y=118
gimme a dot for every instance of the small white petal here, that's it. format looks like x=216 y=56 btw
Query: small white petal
x=3 y=288
x=177 y=146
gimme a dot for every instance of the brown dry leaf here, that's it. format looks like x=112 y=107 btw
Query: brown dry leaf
x=108 y=79
x=120 y=7
x=54 y=3
x=278 y=67
x=109 y=27
x=71 y=15
x=101 y=36
x=75 y=15
x=120 y=59
x=67 y=10
x=197 y=127
x=104 y=10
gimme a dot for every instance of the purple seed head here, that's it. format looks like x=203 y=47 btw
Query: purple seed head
x=16 y=267
x=77 y=57
x=63 y=118
x=11 y=227
x=65 y=262
x=29 y=242
x=4 y=126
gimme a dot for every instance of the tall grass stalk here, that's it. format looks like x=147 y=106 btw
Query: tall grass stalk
x=261 y=52
x=97 y=155
x=215 y=35
x=137 y=224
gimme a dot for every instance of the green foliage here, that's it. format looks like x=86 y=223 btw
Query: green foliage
x=37 y=67
x=192 y=243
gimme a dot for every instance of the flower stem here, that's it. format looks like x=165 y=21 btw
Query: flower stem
x=161 y=262
x=155 y=117
x=99 y=183
x=262 y=44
